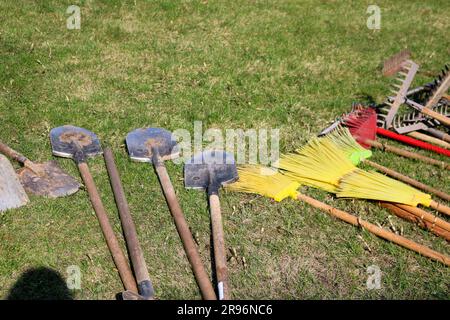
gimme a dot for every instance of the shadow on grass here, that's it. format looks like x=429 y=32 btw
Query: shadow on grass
x=40 y=284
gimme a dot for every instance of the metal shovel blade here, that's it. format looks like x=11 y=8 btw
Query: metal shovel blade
x=143 y=143
x=67 y=141
x=212 y=168
x=53 y=182
x=12 y=194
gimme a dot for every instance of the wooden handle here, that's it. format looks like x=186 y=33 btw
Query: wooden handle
x=129 y=229
x=430 y=139
x=406 y=215
x=382 y=233
x=13 y=154
x=190 y=248
x=439 y=134
x=435 y=115
x=440 y=207
x=113 y=244
x=220 y=255
x=7 y=151
x=424 y=215
x=408 y=180
x=408 y=154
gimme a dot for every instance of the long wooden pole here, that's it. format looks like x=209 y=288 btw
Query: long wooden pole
x=417 y=220
x=430 y=139
x=408 y=180
x=382 y=233
x=408 y=154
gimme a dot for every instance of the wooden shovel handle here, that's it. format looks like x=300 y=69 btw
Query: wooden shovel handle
x=13 y=154
x=435 y=115
x=408 y=154
x=129 y=229
x=220 y=255
x=439 y=134
x=113 y=244
x=406 y=215
x=182 y=226
x=382 y=233
x=425 y=215
x=408 y=180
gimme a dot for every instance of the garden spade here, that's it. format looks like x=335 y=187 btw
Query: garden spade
x=42 y=179
x=79 y=144
x=12 y=194
x=155 y=145
x=211 y=170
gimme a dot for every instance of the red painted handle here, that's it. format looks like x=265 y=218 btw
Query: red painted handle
x=412 y=142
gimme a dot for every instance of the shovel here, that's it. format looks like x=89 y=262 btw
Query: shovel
x=79 y=144
x=12 y=194
x=210 y=170
x=42 y=179
x=156 y=145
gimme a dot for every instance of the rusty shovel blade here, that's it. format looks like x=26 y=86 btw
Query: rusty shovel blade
x=51 y=182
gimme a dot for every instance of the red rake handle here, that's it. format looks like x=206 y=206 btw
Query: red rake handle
x=412 y=141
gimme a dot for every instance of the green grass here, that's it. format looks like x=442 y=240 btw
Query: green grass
x=292 y=65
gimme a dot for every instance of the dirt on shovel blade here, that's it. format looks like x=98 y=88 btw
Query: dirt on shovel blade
x=52 y=183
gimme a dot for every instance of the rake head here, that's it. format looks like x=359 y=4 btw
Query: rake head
x=395 y=63
x=439 y=87
x=400 y=88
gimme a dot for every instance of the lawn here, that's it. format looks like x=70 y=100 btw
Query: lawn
x=291 y=65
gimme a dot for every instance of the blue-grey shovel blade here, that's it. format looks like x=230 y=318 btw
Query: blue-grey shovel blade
x=212 y=167
x=68 y=140
x=142 y=142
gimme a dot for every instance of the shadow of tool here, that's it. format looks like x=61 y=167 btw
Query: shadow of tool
x=40 y=284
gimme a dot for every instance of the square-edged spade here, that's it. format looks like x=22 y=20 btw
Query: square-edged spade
x=210 y=170
x=80 y=144
x=42 y=179
x=156 y=145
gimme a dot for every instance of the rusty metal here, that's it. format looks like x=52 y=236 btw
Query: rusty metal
x=395 y=63
x=53 y=183
x=42 y=179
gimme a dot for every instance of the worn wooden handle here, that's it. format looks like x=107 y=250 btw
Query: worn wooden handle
x=435 y=115
x=382 y=233
x=408 y=154
x=408 y=180
x=439 y=134
x=425 y=215
x=430 y=139
x=113 y=244
x=7 y=151
x=182 y=226
x=406 y=215
x=129 y=229
x=440 y=207
x=220 y=256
